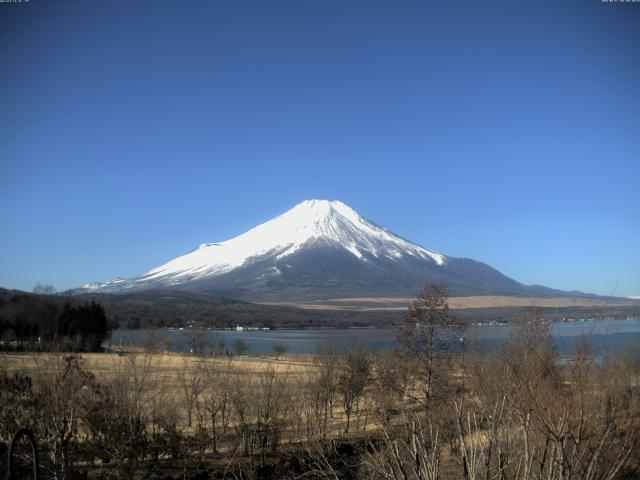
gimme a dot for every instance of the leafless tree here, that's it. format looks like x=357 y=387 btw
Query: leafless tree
x=196 y=340
x=410 y=450
x=191 y=379
x=423 y=340
x=320 y=389
x=217 y=398
x=352 y=380
x=41 y=289
x=240 y=346
x=62 y=403
x=391 y=380
x=279 y=349
x=18 y=406
x=260 y=407
x=534 y=417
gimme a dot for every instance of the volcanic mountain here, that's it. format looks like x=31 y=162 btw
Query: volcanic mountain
x=319 y=249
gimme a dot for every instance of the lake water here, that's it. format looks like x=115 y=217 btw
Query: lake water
x=604 y=336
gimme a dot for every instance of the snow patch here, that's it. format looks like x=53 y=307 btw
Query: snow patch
x=353 y=249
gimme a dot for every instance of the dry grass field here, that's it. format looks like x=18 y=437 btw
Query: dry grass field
x=478 y=301
x=167 y=373
x=166 y=366
x=177 y=383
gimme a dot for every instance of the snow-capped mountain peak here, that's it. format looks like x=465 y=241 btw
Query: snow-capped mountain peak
x=319 y=249
x=311 y=222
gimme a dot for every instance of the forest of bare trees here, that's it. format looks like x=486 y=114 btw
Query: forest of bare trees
x=420 y=412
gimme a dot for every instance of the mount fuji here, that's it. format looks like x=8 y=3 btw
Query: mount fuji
x=319 y=249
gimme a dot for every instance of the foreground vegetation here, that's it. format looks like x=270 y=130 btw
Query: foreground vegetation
x=418 y=413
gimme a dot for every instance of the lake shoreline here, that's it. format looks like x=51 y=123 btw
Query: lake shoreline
x=604 y=334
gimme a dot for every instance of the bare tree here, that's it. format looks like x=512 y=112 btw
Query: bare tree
x=191 y=379
x=536 y=418
x=352 y=380
x=260 y=407
x=421 y=337
x=196 y=341
x=61 y=402
x=320 y=388
x=18 y=406
x=240 y=346
x=130 y=423
x=279 y=349
x=217 y=398
x=409 y=451
x=391 y=380
x=41 y=289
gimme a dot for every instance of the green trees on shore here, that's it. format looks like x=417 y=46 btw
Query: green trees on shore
x=34 y=322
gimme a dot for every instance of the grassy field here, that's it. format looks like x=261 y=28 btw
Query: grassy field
x=169 y=376
x=167 y=365
x=494 y=301
x=166 y=375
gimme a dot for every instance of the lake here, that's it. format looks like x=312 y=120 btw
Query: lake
x=605 y=336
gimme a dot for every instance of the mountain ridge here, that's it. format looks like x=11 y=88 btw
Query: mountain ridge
x=323 y=249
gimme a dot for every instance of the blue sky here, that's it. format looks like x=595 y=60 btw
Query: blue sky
x=507 y=132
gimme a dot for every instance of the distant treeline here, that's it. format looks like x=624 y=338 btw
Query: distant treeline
x=45 y=322
x=179 y=309
x=176 y=309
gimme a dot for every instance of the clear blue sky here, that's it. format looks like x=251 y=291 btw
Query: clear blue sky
x=508 y=132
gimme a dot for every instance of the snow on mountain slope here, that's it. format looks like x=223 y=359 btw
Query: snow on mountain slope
x=330 y=222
